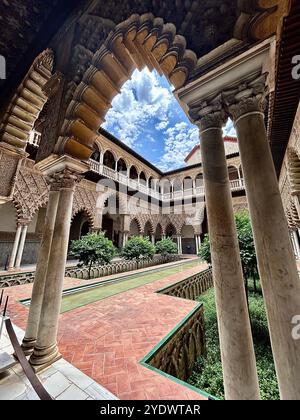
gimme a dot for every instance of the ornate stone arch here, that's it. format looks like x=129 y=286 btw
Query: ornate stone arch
x=138 y=221
x=186 y=223
x=85 y=199
x=87 y=212
x=135 y=43
x=171 y=224
x=31 y=192
x=29 y=100
x=294 y=171
x=150 y=223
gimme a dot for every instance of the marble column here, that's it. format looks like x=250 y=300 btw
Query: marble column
x=237 y=351
x=198 y=243
x=46 y=350
x=40 y=274
x=297 y=247
x=276 y=261
x=153 y=239
x=180 y=245
x=21 y=247
x=13 y=255
x=125 y=237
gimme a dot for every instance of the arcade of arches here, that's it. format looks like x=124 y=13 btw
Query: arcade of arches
x=63 y=175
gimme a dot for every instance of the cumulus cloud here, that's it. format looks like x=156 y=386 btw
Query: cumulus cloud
x=146 y=111
x=142 y=99
x=179 y=141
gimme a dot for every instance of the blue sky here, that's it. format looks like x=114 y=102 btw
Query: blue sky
x=147 y=117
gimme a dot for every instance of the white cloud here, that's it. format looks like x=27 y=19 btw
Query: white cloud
x=180 y=140
x=162 y=125
x=142 y=99
x=145 y=104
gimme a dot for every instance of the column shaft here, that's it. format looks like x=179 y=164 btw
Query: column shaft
x=21 y=247
x=40 y=275
x=237 y=351
x=15 y=248
x=296 y=239
x=276 y=261
x=46 y=350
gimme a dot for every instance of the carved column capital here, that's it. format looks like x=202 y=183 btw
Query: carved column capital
x=65 y=179
x=247 y=98
x=209 y=115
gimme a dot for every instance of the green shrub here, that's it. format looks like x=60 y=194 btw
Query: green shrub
x=166 y=247
x=93 y=249
x=246 y=243
x=138 y=249
x=207 y=374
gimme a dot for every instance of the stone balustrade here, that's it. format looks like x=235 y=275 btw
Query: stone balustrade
x=177 y=354
x=192 y=287
x=16 y=279
x=101 y=169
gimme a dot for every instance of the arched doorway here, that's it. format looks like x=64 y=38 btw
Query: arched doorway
x=80 y=226
x=199 y=181
x=122 y=167
x=109 y=160
x=143 y=179
x=188 y=240
x=133 y=173
x=233 y=173
x=96 y=156
x=187 y=185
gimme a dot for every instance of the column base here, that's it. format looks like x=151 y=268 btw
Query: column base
x=28 y=345
x=43 y=357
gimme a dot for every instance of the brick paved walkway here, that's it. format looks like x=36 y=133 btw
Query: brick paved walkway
x=107 y=339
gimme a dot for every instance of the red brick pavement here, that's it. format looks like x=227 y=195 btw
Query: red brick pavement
x=107 y=339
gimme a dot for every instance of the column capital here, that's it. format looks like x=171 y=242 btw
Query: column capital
x=209 y=115
x=249 y=97
x=64 y=179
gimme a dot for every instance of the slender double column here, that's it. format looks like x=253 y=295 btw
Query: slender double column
x=46 y=350
x=295 y=240
x=198 y=243
x=40 y=274
x=179 y=244
x=21 y=247
x=153 y=239
x=237 y=351
x=125 y=237
x=276 y=260
x=13 y=255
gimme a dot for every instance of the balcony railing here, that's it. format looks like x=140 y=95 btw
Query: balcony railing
x=99 y=168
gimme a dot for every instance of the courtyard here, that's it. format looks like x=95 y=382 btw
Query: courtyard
x=150 y=200
x=132 y=323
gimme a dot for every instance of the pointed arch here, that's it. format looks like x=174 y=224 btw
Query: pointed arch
x=86 y=212
x=135 y=227
x=171 y=230
x=29 y=100
x=148 y=227
x=138 y=42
